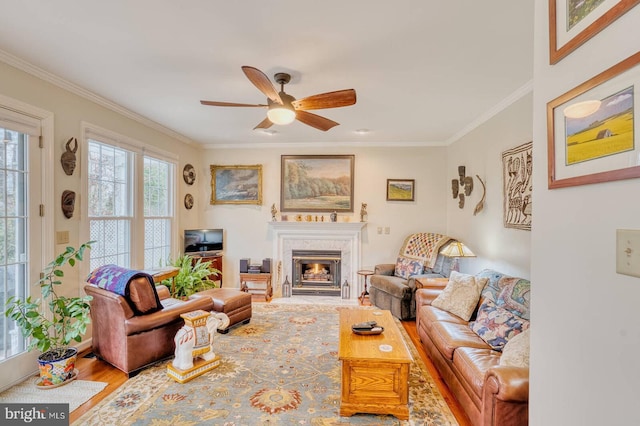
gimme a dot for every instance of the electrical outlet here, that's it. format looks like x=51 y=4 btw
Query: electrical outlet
x=628 y=252
x=62 y=237
x=387 y=230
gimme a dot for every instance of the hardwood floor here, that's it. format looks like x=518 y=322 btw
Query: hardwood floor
x=92 y=369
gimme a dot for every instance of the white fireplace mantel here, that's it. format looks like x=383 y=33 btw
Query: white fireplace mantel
x=343 y=236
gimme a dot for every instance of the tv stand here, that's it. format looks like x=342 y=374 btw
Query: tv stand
x=216 y=262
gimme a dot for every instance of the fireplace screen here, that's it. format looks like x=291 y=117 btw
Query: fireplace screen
x=316 y=272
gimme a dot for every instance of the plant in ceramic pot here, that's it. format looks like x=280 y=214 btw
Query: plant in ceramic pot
x=192 y=277
x=54 y=321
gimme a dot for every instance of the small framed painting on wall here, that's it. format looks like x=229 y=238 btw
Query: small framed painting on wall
x=401 y=189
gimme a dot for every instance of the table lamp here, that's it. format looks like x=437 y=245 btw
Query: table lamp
x=456 y=249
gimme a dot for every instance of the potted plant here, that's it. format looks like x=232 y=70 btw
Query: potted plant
x=53 y=322
x=192 y=277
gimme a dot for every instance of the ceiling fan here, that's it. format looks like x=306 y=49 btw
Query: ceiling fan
x=284 y=108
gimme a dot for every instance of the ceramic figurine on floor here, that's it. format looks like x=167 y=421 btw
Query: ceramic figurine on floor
x=194 y=340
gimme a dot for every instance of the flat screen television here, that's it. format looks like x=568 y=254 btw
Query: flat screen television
x=202 y=240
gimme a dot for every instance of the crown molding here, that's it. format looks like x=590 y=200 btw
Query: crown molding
x=270 y=145
x=501 y=106
x=42 y=74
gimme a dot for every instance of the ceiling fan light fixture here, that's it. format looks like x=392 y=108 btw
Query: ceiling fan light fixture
x=281 y=115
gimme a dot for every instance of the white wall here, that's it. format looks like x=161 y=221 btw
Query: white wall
x=246 y=230
x=586 y=332
x=507 y=250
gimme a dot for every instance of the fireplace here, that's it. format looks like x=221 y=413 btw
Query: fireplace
x=343 y=237
x=316 y=272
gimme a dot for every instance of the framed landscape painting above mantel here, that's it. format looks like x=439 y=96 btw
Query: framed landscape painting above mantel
x=316 y=183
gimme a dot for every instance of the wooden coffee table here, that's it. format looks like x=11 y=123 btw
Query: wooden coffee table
x=375 y=369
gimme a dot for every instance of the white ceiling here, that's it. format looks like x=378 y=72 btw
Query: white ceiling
x=423 y=70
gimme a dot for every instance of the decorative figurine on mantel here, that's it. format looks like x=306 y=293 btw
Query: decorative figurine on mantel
x=195 y=340
x=334 y=217
x=363 y=212
x=274 y=211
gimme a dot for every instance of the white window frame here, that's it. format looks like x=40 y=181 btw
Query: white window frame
x=139 y=150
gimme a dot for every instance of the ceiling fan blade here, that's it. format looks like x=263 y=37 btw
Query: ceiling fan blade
x=314 y=120
x=230 y=104
x=262 y=82
x=264 y=124
x=339 y=98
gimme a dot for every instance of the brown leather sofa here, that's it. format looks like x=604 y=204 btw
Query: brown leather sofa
x=490 y=393
x=130 y=339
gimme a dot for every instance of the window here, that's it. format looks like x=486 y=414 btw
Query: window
x=110 y=206
x=130 y=231
x=157 y=213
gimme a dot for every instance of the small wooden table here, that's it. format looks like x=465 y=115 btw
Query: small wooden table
x=433 y=283
x=257 y=278
x=375 y=369
x=162 y=274
x=364 y=273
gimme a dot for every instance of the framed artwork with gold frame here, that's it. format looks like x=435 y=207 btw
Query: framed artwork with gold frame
x=591 y=129
x=236 y=184
x=573 y=22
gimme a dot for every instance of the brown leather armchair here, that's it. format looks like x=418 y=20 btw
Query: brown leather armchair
x=131 y=340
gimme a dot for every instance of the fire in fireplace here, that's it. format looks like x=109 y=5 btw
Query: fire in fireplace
x=316 y=272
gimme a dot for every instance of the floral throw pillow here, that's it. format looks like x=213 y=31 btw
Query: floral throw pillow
x=406 y=267
x=460 y=296
x=496 y=325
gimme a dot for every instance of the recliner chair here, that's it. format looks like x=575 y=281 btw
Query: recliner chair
x=393 y=285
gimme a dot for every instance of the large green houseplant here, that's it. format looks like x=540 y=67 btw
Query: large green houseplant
x=53 y=322
x=192 y=277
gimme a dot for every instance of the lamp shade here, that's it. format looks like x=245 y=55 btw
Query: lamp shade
x=457 y=249
x=281 y=115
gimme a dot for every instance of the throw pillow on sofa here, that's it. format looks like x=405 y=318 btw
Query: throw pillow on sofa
x=405 y=267
x=516 y=351
x=496 y=325
x=515 y=295
x=461 y=294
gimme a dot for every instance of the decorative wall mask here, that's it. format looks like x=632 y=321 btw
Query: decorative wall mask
x=461 y=187
x=68 y=158
x=68 y=203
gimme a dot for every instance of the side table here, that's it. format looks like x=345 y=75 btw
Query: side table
x=257 y=278
x=364 y=273
x=162 y=274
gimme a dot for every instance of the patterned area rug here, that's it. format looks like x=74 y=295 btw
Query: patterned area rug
x=280 y=369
